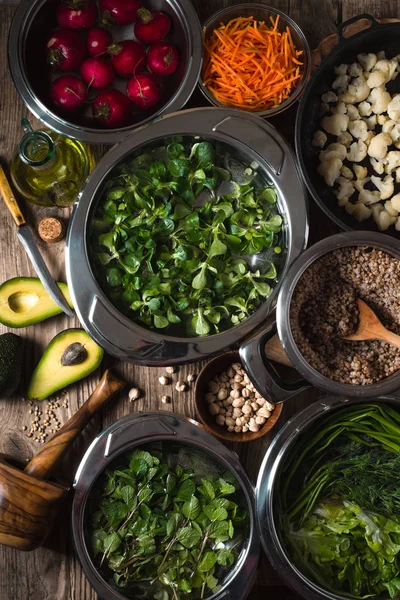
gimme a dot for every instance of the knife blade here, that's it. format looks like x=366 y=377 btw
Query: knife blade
x=26 y=238
x=28 y=241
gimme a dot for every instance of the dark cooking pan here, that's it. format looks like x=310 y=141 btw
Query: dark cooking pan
x=378 y=36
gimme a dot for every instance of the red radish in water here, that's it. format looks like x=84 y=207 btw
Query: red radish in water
x=97 y=72
x=144 y=90
x=112 y=108
x=162 y=59
x=77 y=14
x=119 y=12
x=127 y=57
x=65 y=50
x=98 y=40
x=151 y=27
x=69 y=92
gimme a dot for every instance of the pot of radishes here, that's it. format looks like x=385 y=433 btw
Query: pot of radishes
x=95 y=70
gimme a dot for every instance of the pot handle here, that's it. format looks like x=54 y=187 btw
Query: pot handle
x=261 y=372
x=343 y=26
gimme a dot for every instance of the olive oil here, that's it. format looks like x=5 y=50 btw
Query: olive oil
x=49 y=169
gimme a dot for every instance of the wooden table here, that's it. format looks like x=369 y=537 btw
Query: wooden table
x=53 y=572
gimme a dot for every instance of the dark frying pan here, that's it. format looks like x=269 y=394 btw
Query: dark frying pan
x=379 y=36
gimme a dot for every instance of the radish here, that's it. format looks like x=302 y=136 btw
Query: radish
x=151 y=27
x=112 y=109
x=144 y=90
x=127 y=58
x=162 y=59
x=69 y=92
x=119 y=12
x=98 y=40
x=65 y=50
x=77 y=14
x=97 y=72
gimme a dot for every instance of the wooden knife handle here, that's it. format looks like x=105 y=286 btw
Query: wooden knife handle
x=275 y=351
x=42 y=465
x=10 y=200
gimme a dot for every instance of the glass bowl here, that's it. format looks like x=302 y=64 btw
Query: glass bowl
x=261 y=12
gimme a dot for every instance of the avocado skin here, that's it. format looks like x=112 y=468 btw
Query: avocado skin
x=11 y=360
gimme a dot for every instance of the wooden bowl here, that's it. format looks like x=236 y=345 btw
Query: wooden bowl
x=209 y=371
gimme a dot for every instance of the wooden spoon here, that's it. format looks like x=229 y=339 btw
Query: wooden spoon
x=370 y=327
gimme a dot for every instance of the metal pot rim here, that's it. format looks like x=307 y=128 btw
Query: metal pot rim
x=334 y=242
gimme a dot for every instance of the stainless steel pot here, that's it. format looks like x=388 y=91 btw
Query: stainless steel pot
x=251 y=139
x=268 y=492
x=32 y=21
x=252 y=352
x=162 y=427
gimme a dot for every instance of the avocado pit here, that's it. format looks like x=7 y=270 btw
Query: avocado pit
x=74 y=354
x=21 y=302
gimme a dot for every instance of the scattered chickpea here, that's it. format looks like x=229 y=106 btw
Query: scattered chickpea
x=165 y=399
x=235 y=403
x=163 y=380
x=191 y=377
x=180 y=386
x=134 y=394
x=170 y=370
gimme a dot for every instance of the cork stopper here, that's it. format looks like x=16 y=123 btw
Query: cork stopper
x=51 y=230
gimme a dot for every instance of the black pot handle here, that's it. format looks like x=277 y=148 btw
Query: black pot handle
x=261 y=372
x=342 y=26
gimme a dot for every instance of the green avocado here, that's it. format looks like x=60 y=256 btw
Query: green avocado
x=69 y=357
x=11 y=359
x=24 y=301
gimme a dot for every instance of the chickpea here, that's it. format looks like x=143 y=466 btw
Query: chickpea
x=214 y=409
x=245 y=393
x=257 y=394
x=254 y=427
x=224 y=378
x=235 y=394
x=264 y=412
x=238 y=378
x=210 y=398
x=238 y=402
x=163 y=380
x=261 y=401
x=237 y=412
x=238 y=429
x=247 y=410
x=220 y=420
x=245 y=428
x=230 y=372
x=246 y=378
x=236 y=366
x=269 y=405
x=230 y=428
x=236 y=386
x=229 y=421
x=254 y=406
x=239 y=422
x=260 y=420
x=213 y=387
x=222 y=394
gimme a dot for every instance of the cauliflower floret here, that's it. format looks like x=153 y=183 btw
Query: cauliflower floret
x=323 y=109
x=371 y=122
x=392 y=160
x=385 y=186
x=395 y=132
x=379 y=145
x=355 y=70
x=379 y=99
x=381 y=119
x=352 y=112
x=339 y=108
x=376 y=79
x=384 y=220
x=370 y=135
x=377 y=165
x=341 y=82
x=394 y=108
x=359 y=89
x=367 y=61
x=319 y=139
x=345 y=138
x=360 y=172
x=335 y=124
x=396 y=202
x=376 y=210
x=341 y=69
x=361 y=212
x=343 y=201
x=365 y=109
x=329 y=97
x=387 y=68
x=330 y=170
x=347 y=97
x=358 y=129
x=388 y=126
x=350 y=208
x=390 y=209
x=346 y=188
x=357 y=151
x=346 y=172
x=333 y=151
x=368 y=197
x=360 y=183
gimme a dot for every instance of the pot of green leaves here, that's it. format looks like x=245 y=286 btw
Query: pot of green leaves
x=164 y=511
x=327 y=500
x=183 y=234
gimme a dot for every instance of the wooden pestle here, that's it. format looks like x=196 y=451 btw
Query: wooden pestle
x=43 y=464
x=29 y=502
x=275 y=351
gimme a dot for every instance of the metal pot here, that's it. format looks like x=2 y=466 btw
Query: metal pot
x=27 y=62
x=252 y=352
x=377 y=37
x=161 y=427
x=268 y=493
x=251 y=139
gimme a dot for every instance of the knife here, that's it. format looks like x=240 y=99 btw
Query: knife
x=28 y=241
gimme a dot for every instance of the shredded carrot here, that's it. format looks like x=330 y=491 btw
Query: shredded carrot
x=251 y=65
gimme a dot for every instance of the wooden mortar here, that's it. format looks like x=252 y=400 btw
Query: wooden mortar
x=29 y=503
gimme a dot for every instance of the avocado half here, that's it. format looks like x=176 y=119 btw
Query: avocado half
x=24 y=301
x=11 y=360
x=51 y=375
